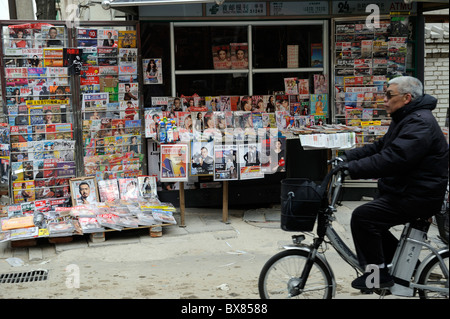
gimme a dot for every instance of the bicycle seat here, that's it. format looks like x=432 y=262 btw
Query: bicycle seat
x=422 y=224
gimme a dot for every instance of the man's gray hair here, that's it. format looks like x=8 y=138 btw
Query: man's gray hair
x=408 y=84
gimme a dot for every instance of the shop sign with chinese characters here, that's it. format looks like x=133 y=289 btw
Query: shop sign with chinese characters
x=232 y=9
x=298 y=8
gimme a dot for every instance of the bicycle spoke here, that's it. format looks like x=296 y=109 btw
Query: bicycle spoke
x=283 y=275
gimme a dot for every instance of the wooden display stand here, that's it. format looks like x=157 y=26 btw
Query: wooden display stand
x=224 y=203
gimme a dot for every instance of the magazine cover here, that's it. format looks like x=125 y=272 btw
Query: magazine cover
x=90 y=225
x=72 y=60
x=53 y=57
x=60 y=228
x=97 y=100
x=225 y=103
x=239 y=55
x=319 y=104
x=89 y=56
x=197 y=122
x=127 y=39
x=316 y=55
x=160 y=102
x=250 y=161
x=243 y=120
x=128 y=188
x=212 y=103
x=202 y=157
x=257 y=120
x=108 y=190
x=221 y=57
x=17 y=170
x=20 y=38
x=128 y=91
x=36 y=115
x=87 y=37
x=380 y=48
x=277 y=154
x=147 y=186
x=83 y=190
x=225 y=162
x=52 y=114
x=152 y=117
x=107 y=38
x=174 y=159
x=282 y=102
x=24 y=191
x=52 y=36
x=220 y=119
x=164 y=217
x=320 y=84
x=15 y=211
x=127 y=68
x=109 y=220
x=129 y=110
x=290 y=85
x=353 y=116
x=152 y=71
x=258 y=103
x=208 y=121
x=363 y=66
x=292 y=56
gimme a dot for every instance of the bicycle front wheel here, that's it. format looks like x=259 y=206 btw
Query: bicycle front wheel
x=432 y=275
x=282 y=273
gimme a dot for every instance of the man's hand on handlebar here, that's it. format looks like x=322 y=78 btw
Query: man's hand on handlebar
x=341 y=164
x=343 y=167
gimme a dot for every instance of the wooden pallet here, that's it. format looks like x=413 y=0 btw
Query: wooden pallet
x=154 y=231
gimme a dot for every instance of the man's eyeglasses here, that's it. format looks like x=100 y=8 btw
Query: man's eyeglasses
x=389 y=95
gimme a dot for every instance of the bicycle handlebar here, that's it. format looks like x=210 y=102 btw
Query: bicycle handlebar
x=335 y=161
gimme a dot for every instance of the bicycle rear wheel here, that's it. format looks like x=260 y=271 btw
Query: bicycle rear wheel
x=432 y=275
x=282 y=273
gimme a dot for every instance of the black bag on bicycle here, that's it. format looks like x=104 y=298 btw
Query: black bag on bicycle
x=301 y=200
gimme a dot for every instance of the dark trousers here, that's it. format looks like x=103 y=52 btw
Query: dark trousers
x=370 y=224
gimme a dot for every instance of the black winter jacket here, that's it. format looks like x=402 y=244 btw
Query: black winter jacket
x=410 y=160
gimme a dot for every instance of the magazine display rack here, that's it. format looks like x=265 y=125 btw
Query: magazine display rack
x=39 y=108
x=110 y=102
x=59 y=81
x=364 y=60
x=5 y=149
x=82 y=89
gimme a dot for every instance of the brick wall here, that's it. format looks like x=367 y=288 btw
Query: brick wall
x=437 y=68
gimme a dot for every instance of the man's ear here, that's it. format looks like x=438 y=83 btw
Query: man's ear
x=407 y=98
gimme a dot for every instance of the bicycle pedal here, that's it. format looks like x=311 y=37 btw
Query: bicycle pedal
x=383 y=291
x=366 y=291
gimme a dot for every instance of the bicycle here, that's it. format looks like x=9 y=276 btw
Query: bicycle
x=302 y=271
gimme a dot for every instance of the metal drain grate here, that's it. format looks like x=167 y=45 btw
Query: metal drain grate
x=19 y=277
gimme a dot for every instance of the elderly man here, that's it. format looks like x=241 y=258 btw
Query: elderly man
x=411 y=164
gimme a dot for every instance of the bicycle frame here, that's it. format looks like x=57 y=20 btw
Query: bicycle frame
x=407 y=288
x=342 y=249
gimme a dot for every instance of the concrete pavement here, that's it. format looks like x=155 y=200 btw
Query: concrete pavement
x=209 y=259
